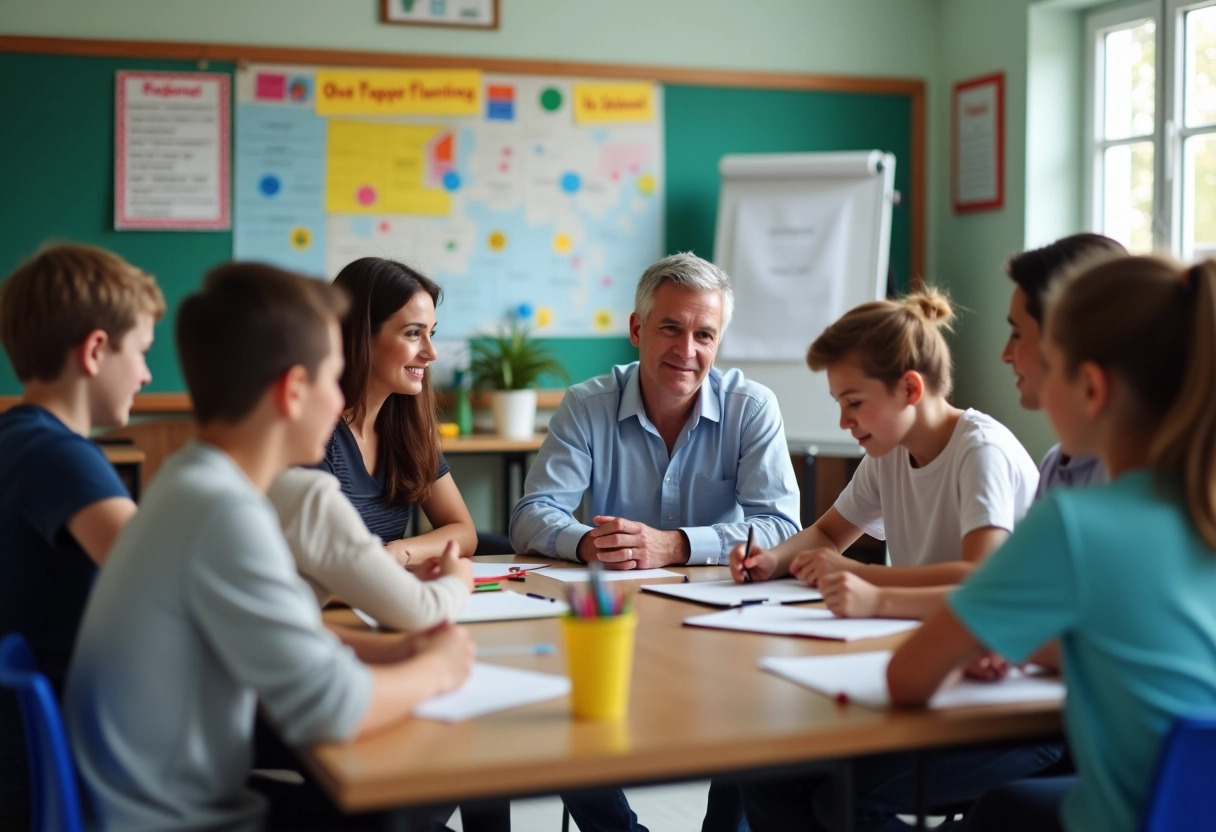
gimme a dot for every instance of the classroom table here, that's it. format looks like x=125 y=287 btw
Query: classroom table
x=699 y=707
x=513 y=453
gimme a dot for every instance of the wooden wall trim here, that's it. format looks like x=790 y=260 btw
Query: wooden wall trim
x=292 y=55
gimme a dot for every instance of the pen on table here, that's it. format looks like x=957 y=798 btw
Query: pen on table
x=541 y=597
x=751 y=535
x=517 y=650
x=750 y=602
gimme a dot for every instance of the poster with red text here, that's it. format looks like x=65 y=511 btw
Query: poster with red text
x=171 y=151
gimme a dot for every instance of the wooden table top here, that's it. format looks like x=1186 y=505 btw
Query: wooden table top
x=699 y=706
x=488 y=443
x=123 y=454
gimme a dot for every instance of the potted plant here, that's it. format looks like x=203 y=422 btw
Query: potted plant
x=509 y=365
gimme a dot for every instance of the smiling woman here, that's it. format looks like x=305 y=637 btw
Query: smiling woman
x=385 y=448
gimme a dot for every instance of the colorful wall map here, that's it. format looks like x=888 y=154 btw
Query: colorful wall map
x=516 y=193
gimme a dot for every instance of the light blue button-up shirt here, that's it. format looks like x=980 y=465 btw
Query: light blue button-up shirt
x=730 y=468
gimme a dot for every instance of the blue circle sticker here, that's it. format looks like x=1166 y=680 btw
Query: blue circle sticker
x=451 y=180
x=269 y=185
x=571 y=182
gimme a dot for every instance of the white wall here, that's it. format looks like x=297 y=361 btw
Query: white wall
x=859 y=37
x=1038 y=45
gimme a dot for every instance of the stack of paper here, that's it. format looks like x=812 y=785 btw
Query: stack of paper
x=812 y=622
x=861 y=678
x=730 y=594
x=491 y=688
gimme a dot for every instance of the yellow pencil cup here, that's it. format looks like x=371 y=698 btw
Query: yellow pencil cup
x=599 y=653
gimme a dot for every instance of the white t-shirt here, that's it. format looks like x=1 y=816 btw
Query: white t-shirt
x=983 y=477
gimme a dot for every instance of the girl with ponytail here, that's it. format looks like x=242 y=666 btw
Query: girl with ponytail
x=943 y=486
x=1122 y=574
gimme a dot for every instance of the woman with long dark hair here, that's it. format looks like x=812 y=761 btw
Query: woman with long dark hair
x=385 y=449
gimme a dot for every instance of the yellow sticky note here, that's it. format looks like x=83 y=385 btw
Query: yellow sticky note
x=607 y=103
x=384 y=168
x=419 y=92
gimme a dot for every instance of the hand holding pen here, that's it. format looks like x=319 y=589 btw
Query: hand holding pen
x=750 y=563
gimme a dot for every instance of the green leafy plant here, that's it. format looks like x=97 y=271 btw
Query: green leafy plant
x=512 y=360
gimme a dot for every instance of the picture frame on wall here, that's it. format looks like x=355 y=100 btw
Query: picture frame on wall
x=461 y=14
x=977 y=143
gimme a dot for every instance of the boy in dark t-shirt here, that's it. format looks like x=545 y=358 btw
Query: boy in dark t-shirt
x=75 y=323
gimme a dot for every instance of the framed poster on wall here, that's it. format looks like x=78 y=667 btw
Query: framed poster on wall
x=465 y=14
x=977 y=143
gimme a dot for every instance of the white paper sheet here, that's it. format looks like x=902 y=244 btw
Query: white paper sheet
x=790 y=246
x=862 y=677
x=482 y=571
x=496 y=606
x=508 y=606
x=730 y=594
x=575 y=576
x=491 y=688
x=812 y=622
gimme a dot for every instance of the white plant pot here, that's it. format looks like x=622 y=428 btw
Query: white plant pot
x=514 y=413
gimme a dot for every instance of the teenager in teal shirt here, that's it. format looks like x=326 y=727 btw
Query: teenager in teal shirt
x=1123 y=574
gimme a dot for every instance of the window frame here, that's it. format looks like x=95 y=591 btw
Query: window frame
x=1169 y=135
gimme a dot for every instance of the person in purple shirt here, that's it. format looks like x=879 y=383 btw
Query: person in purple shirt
x=1033 y=273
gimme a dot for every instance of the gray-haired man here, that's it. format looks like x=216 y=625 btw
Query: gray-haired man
x=677 y=460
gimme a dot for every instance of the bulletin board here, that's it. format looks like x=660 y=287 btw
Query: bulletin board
x=57 y=155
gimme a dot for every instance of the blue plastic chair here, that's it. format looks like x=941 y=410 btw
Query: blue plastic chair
x=1182 y=796
x=55 y=801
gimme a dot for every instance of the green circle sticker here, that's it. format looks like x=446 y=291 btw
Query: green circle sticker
x=551 y=99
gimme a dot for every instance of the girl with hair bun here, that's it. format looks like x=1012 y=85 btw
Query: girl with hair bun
x=1123 y=574
x=944 y=486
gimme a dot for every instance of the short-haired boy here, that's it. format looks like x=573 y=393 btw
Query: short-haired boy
x=75 y=322
x=1033 y=273
x=200 y=613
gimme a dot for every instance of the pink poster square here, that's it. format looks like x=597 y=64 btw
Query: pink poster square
x=271 y=87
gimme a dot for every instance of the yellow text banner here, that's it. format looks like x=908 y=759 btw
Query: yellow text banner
x=613 y=103
x=423 y=92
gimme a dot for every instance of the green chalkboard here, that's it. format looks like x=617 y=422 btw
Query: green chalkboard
x=704 y=123
x=57 y=180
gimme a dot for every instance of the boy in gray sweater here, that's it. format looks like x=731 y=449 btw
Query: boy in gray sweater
x=199 y=614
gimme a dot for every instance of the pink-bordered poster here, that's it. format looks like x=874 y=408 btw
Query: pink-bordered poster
x=172 y=151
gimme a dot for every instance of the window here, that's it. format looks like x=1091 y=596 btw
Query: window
x=1152 y=126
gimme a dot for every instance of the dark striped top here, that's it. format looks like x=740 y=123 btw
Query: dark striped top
x=366 y=492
